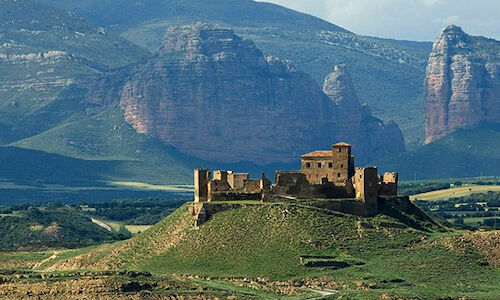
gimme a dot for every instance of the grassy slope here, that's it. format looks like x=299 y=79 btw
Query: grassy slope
x=267 y=240
x=388 y=74
x=107 y=137
x=464 y=153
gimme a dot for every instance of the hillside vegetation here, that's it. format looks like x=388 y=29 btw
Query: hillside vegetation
x=50 y=228
x=368 y=257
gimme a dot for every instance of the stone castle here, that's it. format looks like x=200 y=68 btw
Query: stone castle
x=329 y=174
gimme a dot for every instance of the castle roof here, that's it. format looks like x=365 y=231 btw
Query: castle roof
x=343 y=144
x=320 y=153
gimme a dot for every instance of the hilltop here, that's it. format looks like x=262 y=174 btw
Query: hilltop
x=284 y=247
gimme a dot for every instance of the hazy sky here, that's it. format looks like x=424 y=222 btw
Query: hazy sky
x=405 y=19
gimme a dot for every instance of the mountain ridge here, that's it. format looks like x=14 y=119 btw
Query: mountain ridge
x=186 y=97
x=392 y=64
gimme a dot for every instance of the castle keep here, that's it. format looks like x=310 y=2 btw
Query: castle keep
x=325 y=174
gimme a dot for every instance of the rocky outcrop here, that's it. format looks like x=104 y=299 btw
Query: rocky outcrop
x=355 y=122
x=462 y=83
x=214 y=95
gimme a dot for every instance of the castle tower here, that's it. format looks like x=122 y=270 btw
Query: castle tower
x=201 y=181
x=366 y=186
x=343 y=162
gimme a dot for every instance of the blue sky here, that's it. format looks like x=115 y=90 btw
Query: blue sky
x=405 y=19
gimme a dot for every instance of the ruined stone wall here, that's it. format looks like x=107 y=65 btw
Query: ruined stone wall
x=295 y=184
x=252 y=186
x=389 y=184
x=221 y=175
x=216 y=186
x=349 y=206
x=235 y=196
x=236 y=180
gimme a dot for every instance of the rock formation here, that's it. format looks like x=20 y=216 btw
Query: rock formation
x=213 y=95
x=462 y=83
x=355 y=123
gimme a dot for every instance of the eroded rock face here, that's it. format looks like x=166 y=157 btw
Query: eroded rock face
x=213 y=95
x=462 y=83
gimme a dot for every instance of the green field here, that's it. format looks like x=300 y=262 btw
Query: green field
x=454 y=192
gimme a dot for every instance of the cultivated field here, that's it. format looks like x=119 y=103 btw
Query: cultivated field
x=452 y=192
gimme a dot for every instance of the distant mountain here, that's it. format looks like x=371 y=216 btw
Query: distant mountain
x=44 y=52
x=132 y=13
x=462 y=83
x=215 y=96
x=463 y=153
x=49 y=59
x=387 y=74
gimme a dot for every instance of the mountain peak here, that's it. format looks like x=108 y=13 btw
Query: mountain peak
x=209 y=40
x=453 y=33
x=453 y=28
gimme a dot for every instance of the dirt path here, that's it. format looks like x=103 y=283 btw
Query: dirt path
x=323 y=292
x=41 y=263
x=102 y=224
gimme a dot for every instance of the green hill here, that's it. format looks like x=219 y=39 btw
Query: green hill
x=388 y=74
x=106 y=136
x=464 y=153
x=400 y=254
x=50 y=228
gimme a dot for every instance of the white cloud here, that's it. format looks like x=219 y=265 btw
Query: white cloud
x=429 y=2
x=447 y=20
x=405 y=19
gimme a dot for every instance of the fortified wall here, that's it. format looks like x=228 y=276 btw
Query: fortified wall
x=324 y=174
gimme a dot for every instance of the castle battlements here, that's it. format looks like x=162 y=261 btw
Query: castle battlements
x=324 y=174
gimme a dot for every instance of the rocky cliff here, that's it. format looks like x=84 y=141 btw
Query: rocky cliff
x=462 y=83
x=214 y=95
